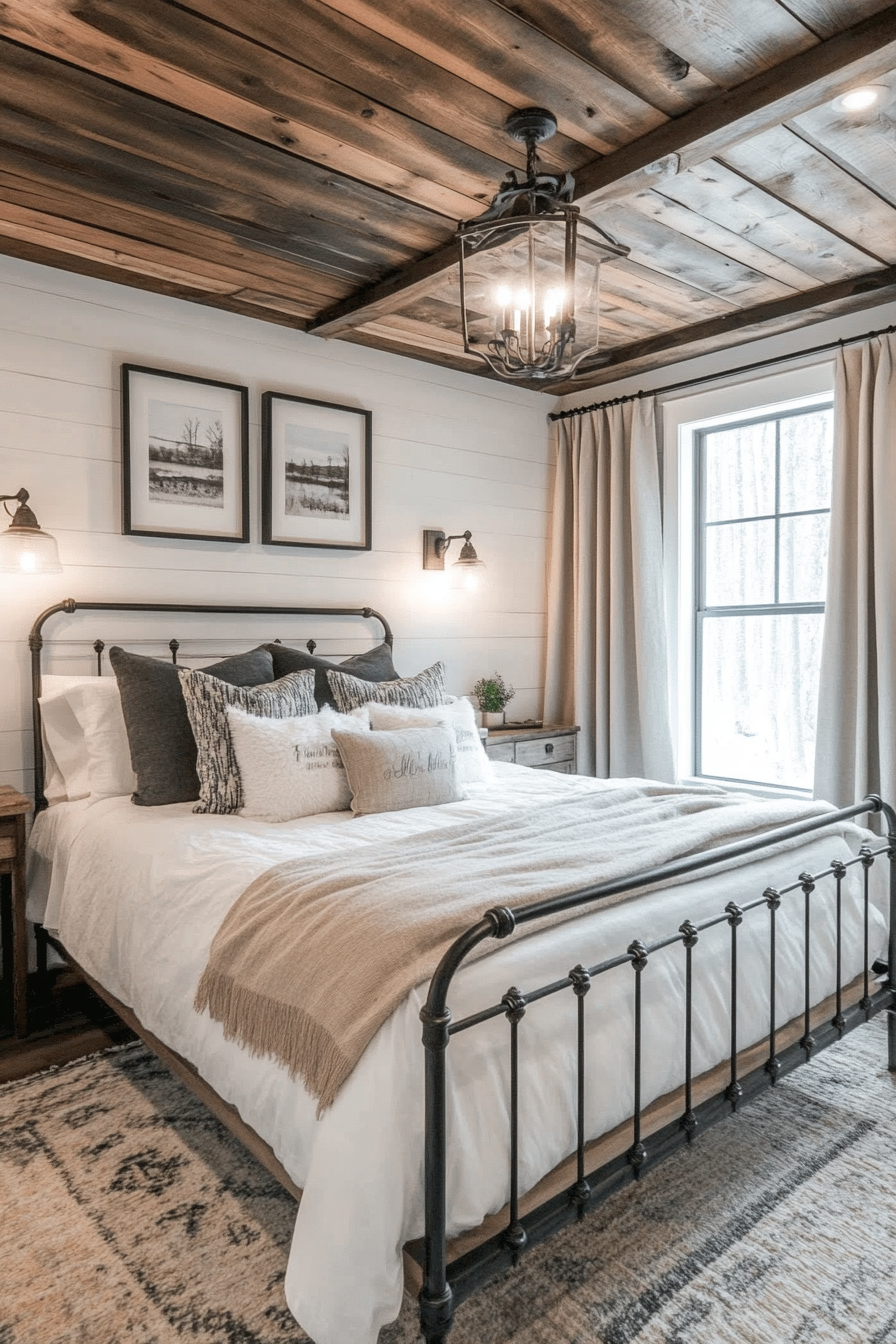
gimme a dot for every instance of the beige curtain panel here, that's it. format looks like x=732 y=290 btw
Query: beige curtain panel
x=855 y=750
x=606 y=639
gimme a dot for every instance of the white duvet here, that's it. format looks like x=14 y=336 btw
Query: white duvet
x=137 y=895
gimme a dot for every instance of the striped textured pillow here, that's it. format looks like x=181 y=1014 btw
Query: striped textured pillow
x=207 y=699
x=424 y=691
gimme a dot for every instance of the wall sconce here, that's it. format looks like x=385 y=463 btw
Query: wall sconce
x=24 y=548
x=467 y=572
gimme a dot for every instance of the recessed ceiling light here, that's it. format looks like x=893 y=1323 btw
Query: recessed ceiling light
x=857 y=100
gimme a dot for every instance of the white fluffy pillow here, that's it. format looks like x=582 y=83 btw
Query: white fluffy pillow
x=473 y=766
x=88 y=755
x=292 y=767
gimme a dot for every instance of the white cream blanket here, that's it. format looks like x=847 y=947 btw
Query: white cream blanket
x=307 y=966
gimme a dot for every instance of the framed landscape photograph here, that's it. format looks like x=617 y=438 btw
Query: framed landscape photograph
x=184 y=455
x=315 y=473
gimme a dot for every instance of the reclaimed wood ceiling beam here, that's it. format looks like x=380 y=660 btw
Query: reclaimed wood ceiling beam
x=745 y=324
x=812 y=77
x=823 y=72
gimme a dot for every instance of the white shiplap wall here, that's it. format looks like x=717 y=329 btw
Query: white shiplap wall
x=449 y=451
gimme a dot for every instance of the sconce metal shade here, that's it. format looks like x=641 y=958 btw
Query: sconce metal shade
x=468 y=572
x=24 y=547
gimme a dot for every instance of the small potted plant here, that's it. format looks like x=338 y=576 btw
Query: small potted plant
x=492 y=695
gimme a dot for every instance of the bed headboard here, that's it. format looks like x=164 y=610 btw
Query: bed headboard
x=71 y=605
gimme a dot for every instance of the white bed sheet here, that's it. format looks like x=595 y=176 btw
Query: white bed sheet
x=142 y=892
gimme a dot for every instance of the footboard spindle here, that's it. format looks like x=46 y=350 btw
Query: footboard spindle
x=690 y=937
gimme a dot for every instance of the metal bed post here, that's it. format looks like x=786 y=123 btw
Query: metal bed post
x=436 y=1296
x=890 y=815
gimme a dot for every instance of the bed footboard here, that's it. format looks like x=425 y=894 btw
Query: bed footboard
x=744 y=1075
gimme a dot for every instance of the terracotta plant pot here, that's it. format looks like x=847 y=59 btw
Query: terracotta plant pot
x=493 y=720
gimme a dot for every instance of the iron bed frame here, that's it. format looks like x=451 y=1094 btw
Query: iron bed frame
x=445 y=1284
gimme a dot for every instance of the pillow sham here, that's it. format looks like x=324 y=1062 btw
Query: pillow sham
x=163 y=748
x=420 y=692
x=473 y=766
x=291 y=767
x=87 y=752
x=374 y=665
x=66 y=775
x=390 y=772
x=206 y=700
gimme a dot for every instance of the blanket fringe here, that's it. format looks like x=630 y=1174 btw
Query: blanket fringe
x=266 y=1026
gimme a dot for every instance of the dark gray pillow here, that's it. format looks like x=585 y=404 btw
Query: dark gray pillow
x=163 y=748
x=374 y=665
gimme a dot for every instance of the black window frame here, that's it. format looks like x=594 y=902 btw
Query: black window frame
x=702 y=612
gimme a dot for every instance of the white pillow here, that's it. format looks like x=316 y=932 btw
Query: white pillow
x=65 y=751
x=86 y=739
x=473 y=766
x=292 y=767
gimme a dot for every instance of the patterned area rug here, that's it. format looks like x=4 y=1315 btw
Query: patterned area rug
x=130 y=1214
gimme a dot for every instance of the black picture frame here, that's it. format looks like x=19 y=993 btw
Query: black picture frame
x=347 y=528
x=145 y=507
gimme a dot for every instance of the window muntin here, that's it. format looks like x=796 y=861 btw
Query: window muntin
x=763 y=488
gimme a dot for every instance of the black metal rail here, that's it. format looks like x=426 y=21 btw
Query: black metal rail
x=445 y=1286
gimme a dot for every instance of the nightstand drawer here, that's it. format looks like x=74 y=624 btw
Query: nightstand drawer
x=561 y=768
x=546 y=751
x=500 y=751
x=7 y=847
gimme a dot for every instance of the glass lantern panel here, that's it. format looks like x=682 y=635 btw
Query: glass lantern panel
x=514 y=284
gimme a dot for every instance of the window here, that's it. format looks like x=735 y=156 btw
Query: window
x=763 y=492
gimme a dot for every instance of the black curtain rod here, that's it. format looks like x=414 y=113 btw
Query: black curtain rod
x=725 y=373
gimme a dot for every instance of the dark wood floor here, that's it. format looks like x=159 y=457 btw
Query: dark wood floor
x=66 y=1021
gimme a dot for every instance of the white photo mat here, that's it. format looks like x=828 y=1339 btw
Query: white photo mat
x=185 y=456
x=315 y=473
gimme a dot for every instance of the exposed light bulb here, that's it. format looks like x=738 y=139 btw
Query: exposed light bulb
x=857 y=100
x=553 y=302
x=504 y=297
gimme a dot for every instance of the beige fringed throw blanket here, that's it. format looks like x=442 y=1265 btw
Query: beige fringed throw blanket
x=307 y=965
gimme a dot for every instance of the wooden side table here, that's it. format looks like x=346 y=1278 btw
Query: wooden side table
x=14 y=807
x=552 y=747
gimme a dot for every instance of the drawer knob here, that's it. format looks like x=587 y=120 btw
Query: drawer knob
x=549 y=747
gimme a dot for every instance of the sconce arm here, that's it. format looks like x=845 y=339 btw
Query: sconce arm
x=442 y=543
x=23 y=516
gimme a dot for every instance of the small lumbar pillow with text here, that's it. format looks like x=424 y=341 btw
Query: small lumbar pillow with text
x=388 y=772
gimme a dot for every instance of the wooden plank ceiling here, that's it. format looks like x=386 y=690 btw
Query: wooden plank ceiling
x=306 y=161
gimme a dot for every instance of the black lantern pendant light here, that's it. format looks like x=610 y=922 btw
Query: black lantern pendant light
x=530 y=269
